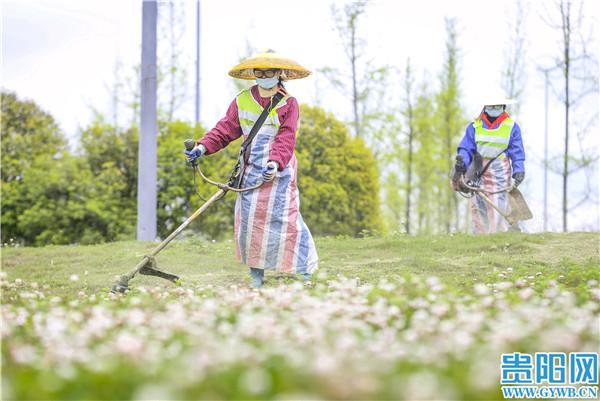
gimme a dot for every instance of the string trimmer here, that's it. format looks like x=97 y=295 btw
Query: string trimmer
x=470 y=186
x=148 y=266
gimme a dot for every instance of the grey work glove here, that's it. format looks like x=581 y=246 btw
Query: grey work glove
x=268 y=172
x=458 y=171
x=518 y=178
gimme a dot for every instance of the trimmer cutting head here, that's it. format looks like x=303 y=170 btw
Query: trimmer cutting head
x=149 y=269
x=119 y=287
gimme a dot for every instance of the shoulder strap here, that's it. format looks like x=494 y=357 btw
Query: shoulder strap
x=261 y=119
x=235 y=180
x=497 y=156
x=490 y=162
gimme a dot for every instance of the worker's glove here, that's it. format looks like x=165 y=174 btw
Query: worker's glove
x=459 y=166
x=195 y=154
x=518 y=178
x=269 y=170
x=459 y=171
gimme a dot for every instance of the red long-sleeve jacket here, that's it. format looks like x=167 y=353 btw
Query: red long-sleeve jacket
x=228 y=129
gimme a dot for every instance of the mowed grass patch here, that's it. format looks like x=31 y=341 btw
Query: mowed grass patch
x=457 y=260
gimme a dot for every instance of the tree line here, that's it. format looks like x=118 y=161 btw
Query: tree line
x=52 y=195
x=415 y=139
x=385 y=169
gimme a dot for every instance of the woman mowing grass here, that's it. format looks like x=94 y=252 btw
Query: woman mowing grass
x=497 y=139
x=269 y=230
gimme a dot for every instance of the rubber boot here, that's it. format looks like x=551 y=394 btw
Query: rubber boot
x=257 y=277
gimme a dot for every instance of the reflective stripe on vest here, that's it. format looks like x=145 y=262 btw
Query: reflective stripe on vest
x=249 y=110
x=490 y=142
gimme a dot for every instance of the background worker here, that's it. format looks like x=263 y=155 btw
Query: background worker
x=269 y=230
x=497 y=138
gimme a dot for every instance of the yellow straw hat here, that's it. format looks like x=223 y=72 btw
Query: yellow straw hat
x=269 y=59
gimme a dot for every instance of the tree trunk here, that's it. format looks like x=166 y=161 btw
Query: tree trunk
x=173 y=61
x=354 y=90
x=446 y=190
x=566 y=26
x=409 y=175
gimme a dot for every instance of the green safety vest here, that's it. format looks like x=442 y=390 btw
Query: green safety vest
x=249 y=110
x=490 y=142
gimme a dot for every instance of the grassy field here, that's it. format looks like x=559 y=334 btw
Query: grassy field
x=403 y=317
x=458 y=260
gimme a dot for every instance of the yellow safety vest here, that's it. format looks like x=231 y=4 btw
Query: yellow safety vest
x=249 y=110
x=490 y=142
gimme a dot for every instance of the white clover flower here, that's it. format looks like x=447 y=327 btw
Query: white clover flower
x=338 y=332
x=487 y=301
x=481 y=289
x=386 y=285
x=27 y=295
x=129 y=344
x=24 y=354
x=526 y=293
x=440 y=309
x=432 y=281
x=504 y=285
x=74 y=277
x=551 y=292
x=521 y=283
x=136 y=317
x=21 y=318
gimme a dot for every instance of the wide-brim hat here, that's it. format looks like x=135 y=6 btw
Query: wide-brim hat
x=269 y=59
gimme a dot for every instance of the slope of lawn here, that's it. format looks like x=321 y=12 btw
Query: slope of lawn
x=385 y=318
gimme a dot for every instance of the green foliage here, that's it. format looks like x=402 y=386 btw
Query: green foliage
x=32 y=150
x=53 y=203
x=429 y=175
x=434 y=122
x=111 y=156
x=53 y=197
x=105 y=147
x=393 y=202
x=337 y=177
x=61 y=208
x=27 y=134
x=450 y=123
x=177 y=197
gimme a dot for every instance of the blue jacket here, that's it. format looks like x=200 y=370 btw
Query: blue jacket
x=515 y=152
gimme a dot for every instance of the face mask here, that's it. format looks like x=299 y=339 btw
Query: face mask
x=494 y=111
x=267 y=83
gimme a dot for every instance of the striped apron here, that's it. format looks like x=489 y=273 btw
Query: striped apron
x=269 y=230
x=485 y=219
